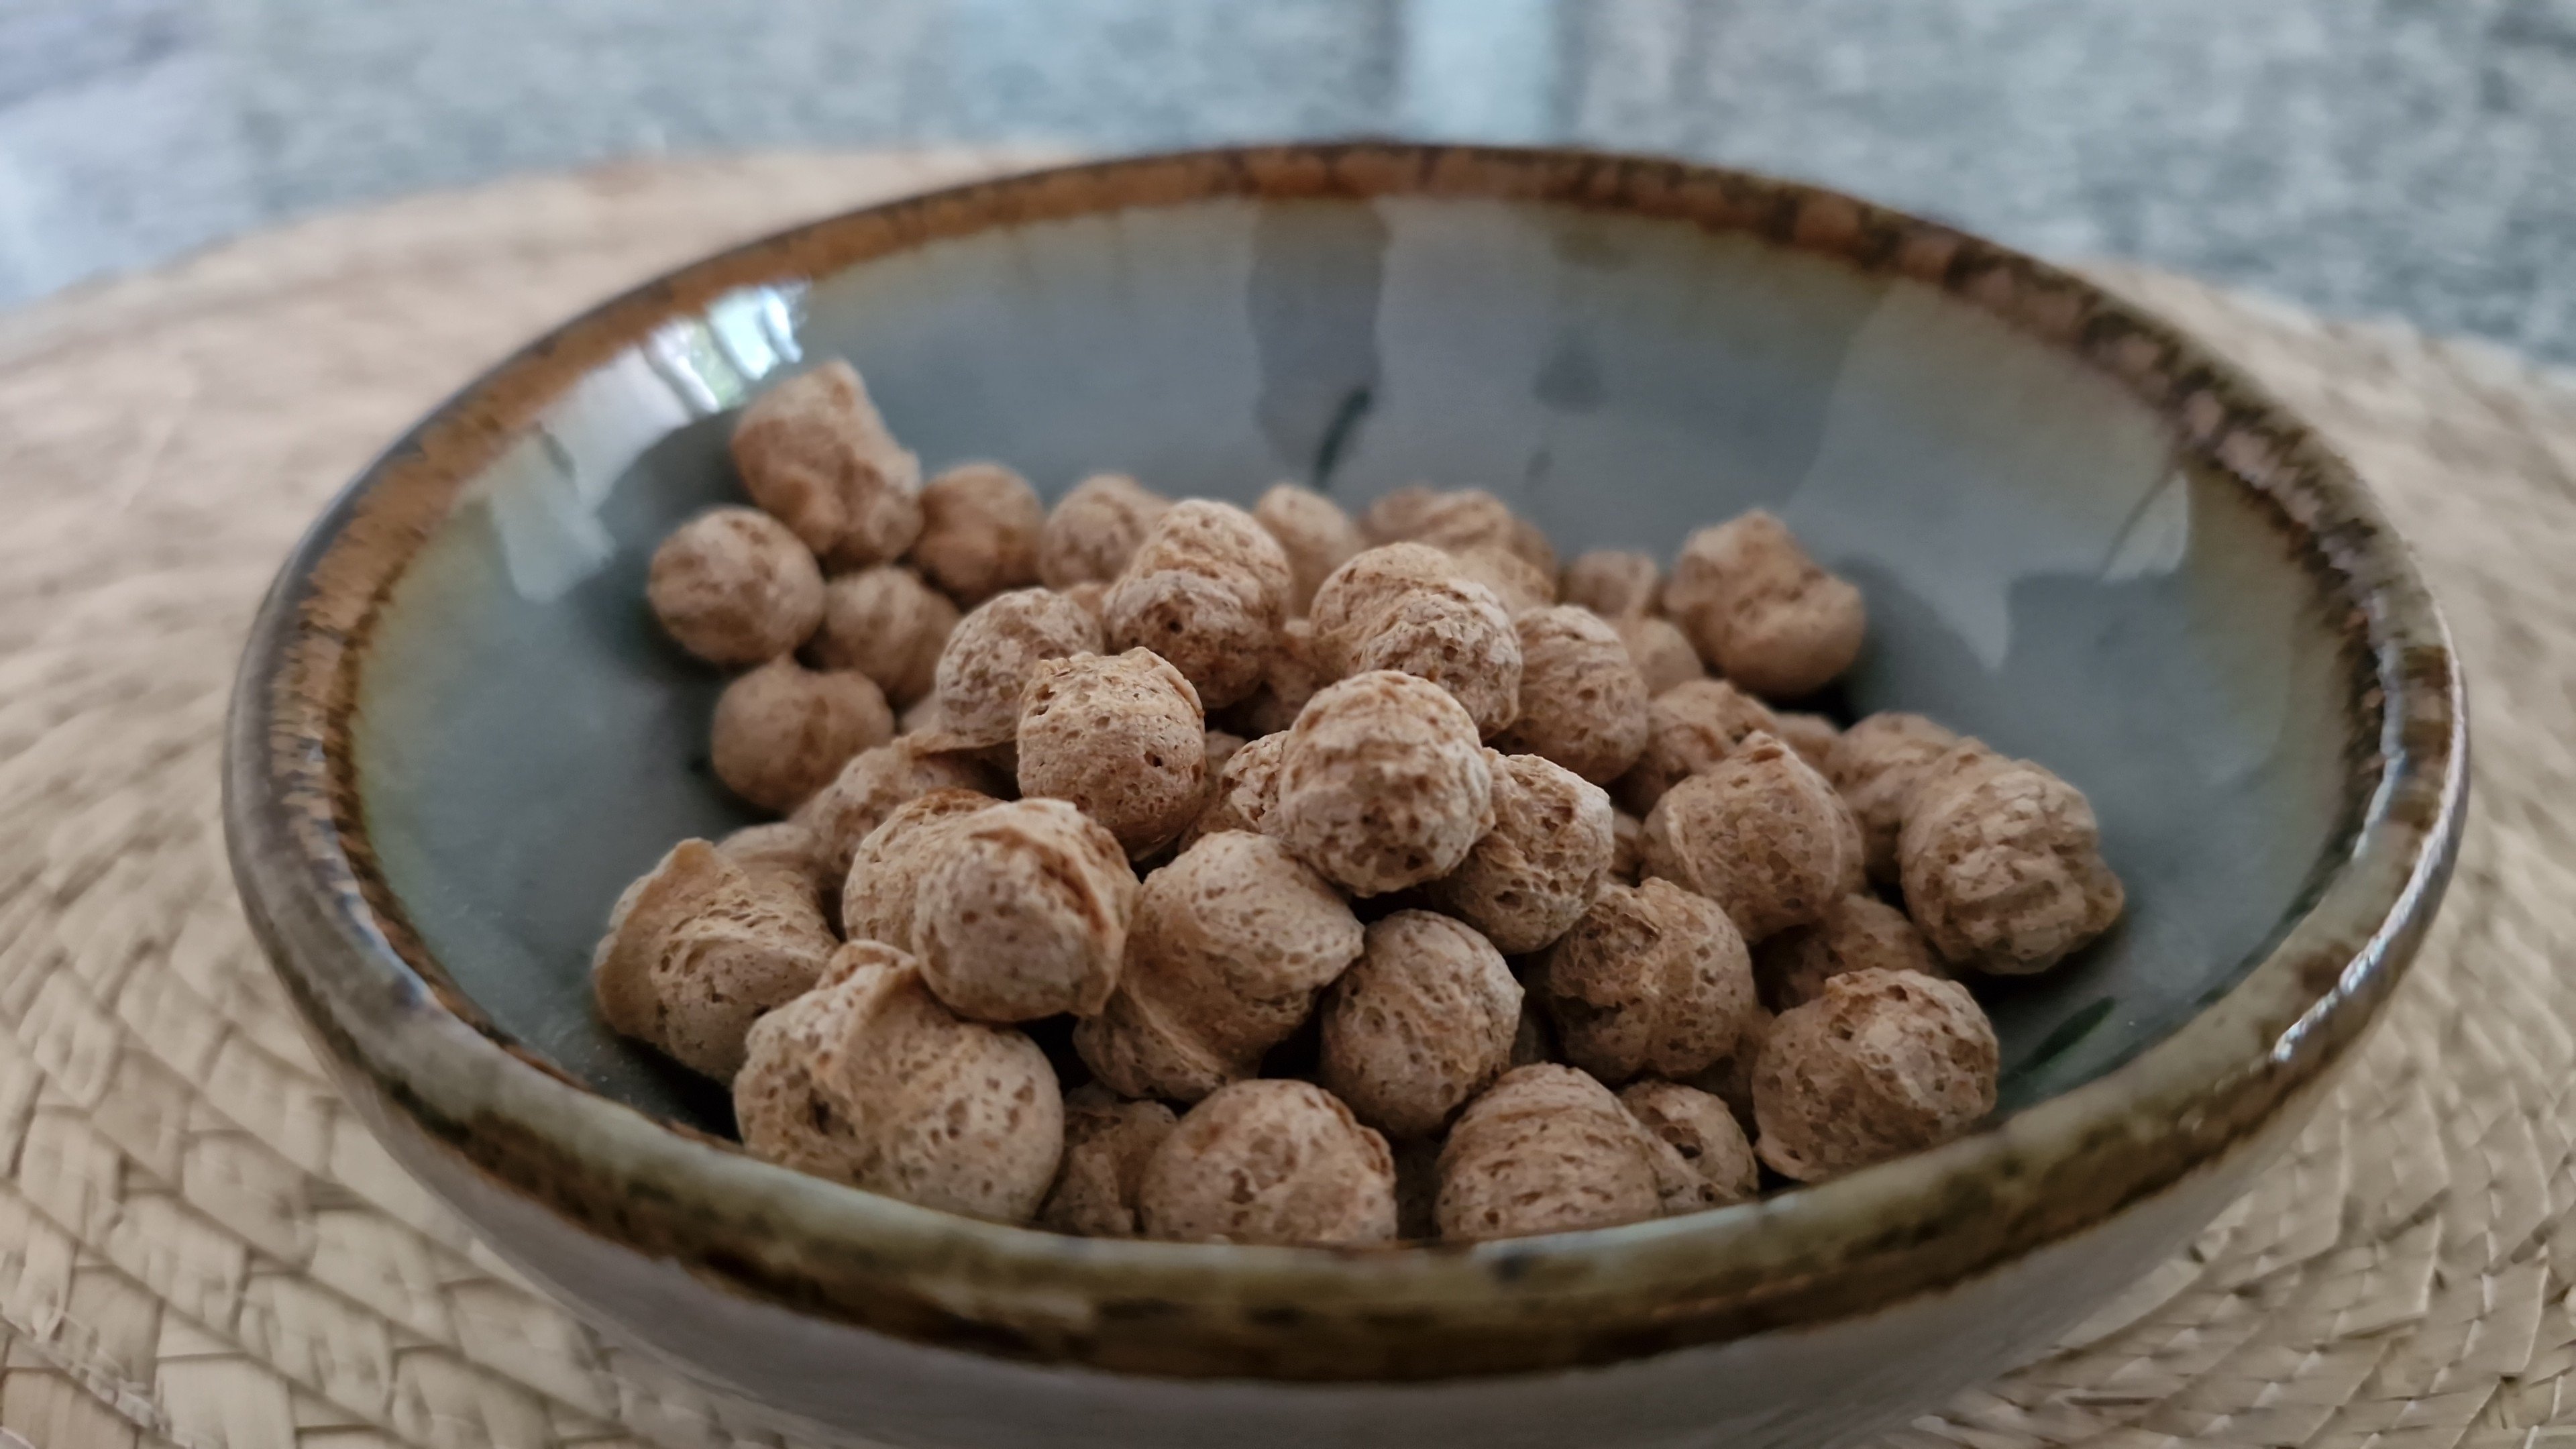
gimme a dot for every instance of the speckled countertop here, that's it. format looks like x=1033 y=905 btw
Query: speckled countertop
x=2414 y=158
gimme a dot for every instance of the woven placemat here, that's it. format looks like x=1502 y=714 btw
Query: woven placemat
x=199 y=1244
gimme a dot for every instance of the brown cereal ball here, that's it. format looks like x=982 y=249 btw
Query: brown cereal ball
x=1207 y=589
x=1120 y=736
x=1022 y=912
x=868 y=1080
x=786 y=853
x=1761 y=834
x=979 y=532
x=887 y=624
x=1092 y=598
x=1403 y=607
x=1313 y=531
x=1627 y=848
x=1811 y=735
x=1547 y=1150
x=1244 y=793
x=1094 y=530
x=698 y=948
x=1294 y=674
x=1420 y=1023
x=1382 y=784
x=2002 y=864
x=1540 y=867
x=1352 y=600
x=1731 y=1080
x=814 y=453
x=784 y=731
x=733 y=586
x=1689 y=729
x=1861 y=933
x=1614 y=583
x=1653 y=980
x=1763 y=612
x=993 y=653
x=873 y=783
x=1582 y=701
x=1270 y=1162
x=1456 y=520
x=1662 y=653
x=1876 y=764
x=1107 y=1143
x=1518 y=583
x=1706 y=1134
x=882 y=883
x=1227 y=948
x=1883 y=1063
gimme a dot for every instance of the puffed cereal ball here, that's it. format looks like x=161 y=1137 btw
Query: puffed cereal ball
x=1107 y=1143
x=1383 y=784
x=1022 y=912
x=1092 y=597
x=1763 y=612
x=1662 y=653
x=1761 y=834
x=1246 y=791
x=1652 y=980
x=887 y=624
x=868 y=1080
x=2003 y=870
x=1352 y=600
x=1519 y=584
x=1094 y=530
x=1614 y=583
x=787 y=853
x=1860 y=933
x=1536 y=872
x=873 y=783
x=1706 y=1134
x=1207 y=589
x=1270 y=1162
x=1120 y=736
x=979 y=531
x=784 y=731
x=1294 y=674
x=1403 y=607
x=1688 y=730
x=993 y=653
x=733 y=586
x=814 y=453
x=1313 y=531
x=1876 y=764
x=1811 y=735
x=1883 y=1063
x=1582 y=701
x=698 y=948
x=1421 y=1022
x=1547 y=1150
x=1456 y=520
x=882 y=884
x=1731 y=1080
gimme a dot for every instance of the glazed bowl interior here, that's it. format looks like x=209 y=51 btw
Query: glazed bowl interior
x=2047 y=563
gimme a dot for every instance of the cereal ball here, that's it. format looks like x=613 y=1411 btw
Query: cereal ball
x=1352 y=599
x=733 y=586
x=1884 y=1063
x=887 y=624
x=784 y=731
x=1731 y=1080
x=1761 y=834
x=1421 y=1022
x=2002 y=864
x=1121 y=737
x=1518 y=583
x=1614 y=583
x=1583 y=703
x=1860 y=933
x=1875 y=764
x=868 y=1080
x=1245 y=792
x=1763 y=612
x=1207 y=589
x=1382 y=784
x=1455 y=520
x=698 y=949
x=1022 y=912
x=882 y=884
x=1811 y=735
x=1094 y=530
x=813 y=453
x=1628 y=848
x=1403 y=607
x=1270 y=1162
x=979 y=531
x=785 y=853
x=1106 y=1145
x=1227 y=948
x=873 y=783
x=1689 y=728
x=1547 y=1150
x=1707 y=1136
x=1662 y=653
x=994 y=651
x=1294 y=674
x=1539 y=868
x=1652 y=980
x=1313 y=531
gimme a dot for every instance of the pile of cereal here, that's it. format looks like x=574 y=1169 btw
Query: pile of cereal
x=1160 y=868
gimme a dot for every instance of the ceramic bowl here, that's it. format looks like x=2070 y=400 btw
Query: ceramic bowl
x=457 y=734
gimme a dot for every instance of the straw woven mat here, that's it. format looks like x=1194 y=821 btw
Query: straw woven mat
x=199 y=1245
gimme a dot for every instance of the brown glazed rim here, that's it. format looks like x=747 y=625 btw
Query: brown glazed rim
x=407 y=1044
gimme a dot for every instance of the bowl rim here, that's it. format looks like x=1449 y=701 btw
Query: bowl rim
x=397 y=1032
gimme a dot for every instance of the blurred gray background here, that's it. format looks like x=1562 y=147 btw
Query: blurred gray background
x=2414 y=158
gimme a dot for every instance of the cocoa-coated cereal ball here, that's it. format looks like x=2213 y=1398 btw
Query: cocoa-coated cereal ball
x=993 y=652
x=814 y=453
x=1456 y=520
x=1094 y=530
x=873 y=783
x=1421 y=1022
x=1548 y=1150
x=979 y=532
x=1383 y=784
x=1706 y=1134
x=1689 y=729
x=1519 y=584
x=1876 y=764
x=1313 y=531
x=784 y=731
x=887 y=624
x=1761 y=834
x=1245 y=791
x=1207 y=589
x=1883 y=1063
x=2002 y=865
x=882 y=883
x=1107 y=1143
x=1652 y=980
x=1763 y=612
x=733 y=586
x=1294 y=673
x=698 y=948
x=1860 y=933
x=1811 y=735
x=1582 y=701
x=1270 y=1162
x=868 y=1080
x=1536 y=872
x=1662 y=653
x=1120 y=736
x=1022 y=912
x=1614 y=583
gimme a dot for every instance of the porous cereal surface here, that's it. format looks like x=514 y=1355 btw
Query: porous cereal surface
x=1421 y=1022
x=698 y=948
x=783 y=731
x=1859 y=933
x=734 y=586
x=1207 y=589
x=1876 y=764
x=1107 y=1143
x=1614 y=583
x=1094 y=530
x=979 y=532
x=1582 y=702
x=2002 y=866
x=1314 y=532
x=873 y=783
x=814 y=452
x=1653 y=980
x=1120 y=736
x=1761 y=611
x=1383 y=784
x=1689 y=728
x=1533 y=875
x=1022 y=912
x=1883 y=1063
x=882 y=883
x=992 y=653
x=1706 y=1135
x=1270 y=1161
x=1547 y=1149
x=1761 y=834
x=887 y=624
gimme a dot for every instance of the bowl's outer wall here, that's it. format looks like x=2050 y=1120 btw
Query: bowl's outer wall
x=2040 y=570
